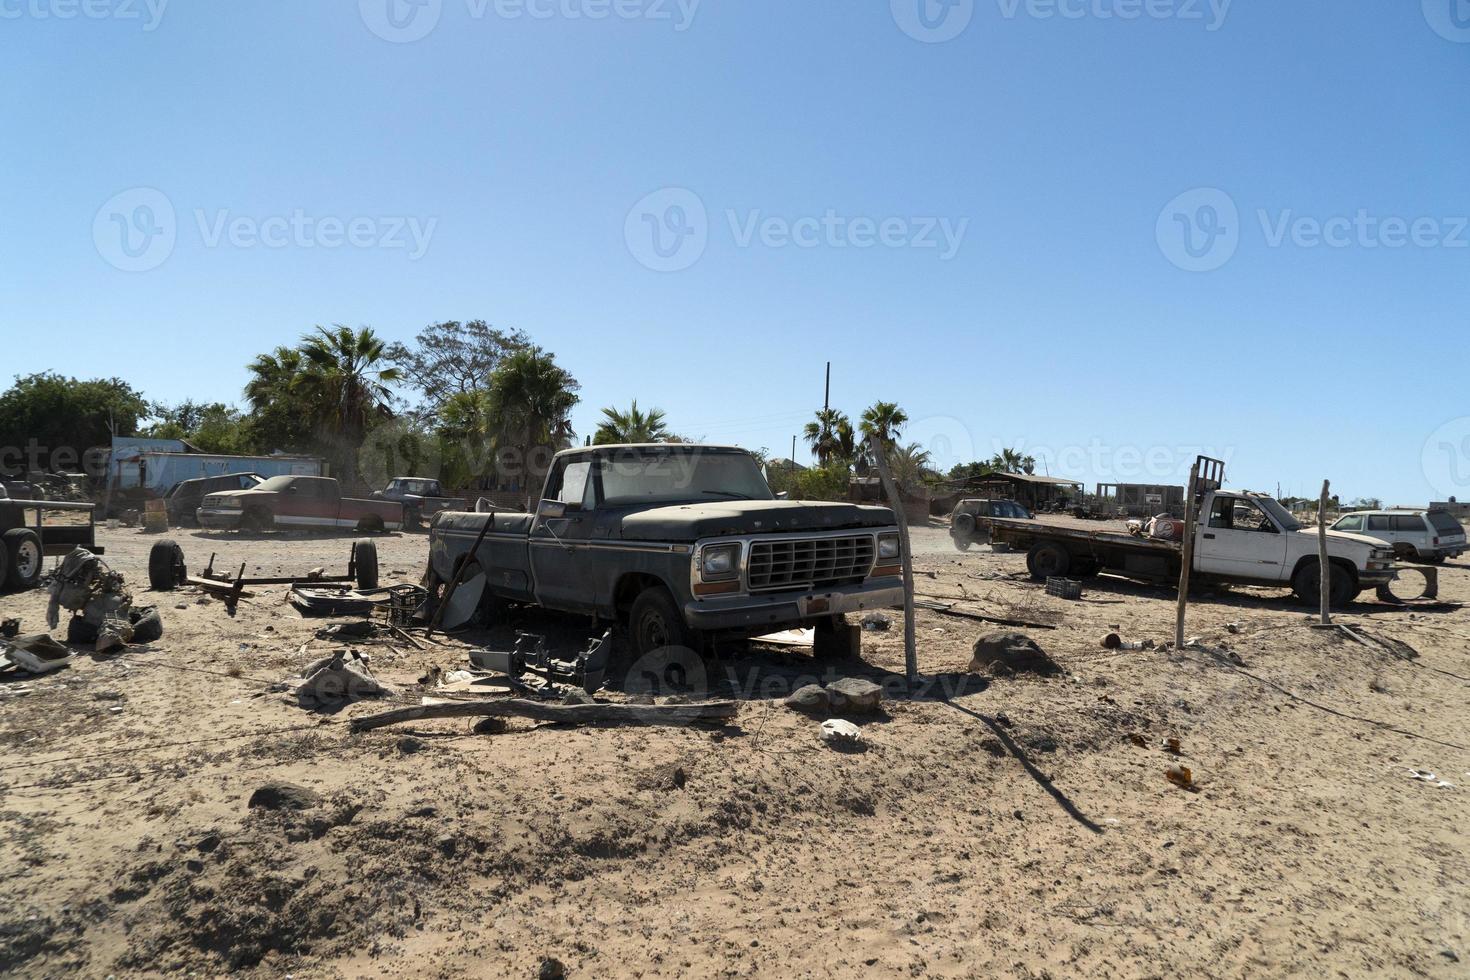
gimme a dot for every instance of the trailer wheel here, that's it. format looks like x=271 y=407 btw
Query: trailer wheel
x=1342 y=585
x=366 y=554
x=1046 y=560
x=166 y=569
x=26 y=559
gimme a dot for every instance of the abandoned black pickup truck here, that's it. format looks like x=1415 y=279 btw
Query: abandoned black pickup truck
x=679 y=543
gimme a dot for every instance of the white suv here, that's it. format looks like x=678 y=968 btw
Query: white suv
x=1430 y=536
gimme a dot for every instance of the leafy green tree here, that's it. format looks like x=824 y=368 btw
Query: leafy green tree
x=281 y=411
x=529 y=407
x=631 y=426
x=49 y=422
x=451 y=359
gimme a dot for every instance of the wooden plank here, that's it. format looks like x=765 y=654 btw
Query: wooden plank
x=910 y=643
x=574 y=714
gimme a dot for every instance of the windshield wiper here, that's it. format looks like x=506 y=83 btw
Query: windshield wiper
x=730 y=493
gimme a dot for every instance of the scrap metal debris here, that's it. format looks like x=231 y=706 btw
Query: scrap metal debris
x=38 y=654
x=343 y=677
x=100 y=603
x=584 y=671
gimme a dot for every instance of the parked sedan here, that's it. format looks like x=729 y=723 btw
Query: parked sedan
x=1428 y=536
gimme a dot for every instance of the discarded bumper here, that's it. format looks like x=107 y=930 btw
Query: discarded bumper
x=219 y=519
x=761 y=611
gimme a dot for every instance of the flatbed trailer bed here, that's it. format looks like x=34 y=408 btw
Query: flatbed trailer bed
x=1094 y=549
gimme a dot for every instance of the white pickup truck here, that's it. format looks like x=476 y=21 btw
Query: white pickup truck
x=1240 y=537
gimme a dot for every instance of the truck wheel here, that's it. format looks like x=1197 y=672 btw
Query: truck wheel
x=166 y=569
x=655 y=622
x=1342 y=585
x=25 y=558
x=413 y=520
x=962 y=544
x=255 y=519
x=372 y=524
x=1046 y=560
x=366 y=553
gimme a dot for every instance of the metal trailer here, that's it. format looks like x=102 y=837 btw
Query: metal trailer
x=26 y=538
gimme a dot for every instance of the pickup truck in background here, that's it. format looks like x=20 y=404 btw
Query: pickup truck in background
x=421 y=498
x=1240 y=537
x=678 y=543
x=297 y=502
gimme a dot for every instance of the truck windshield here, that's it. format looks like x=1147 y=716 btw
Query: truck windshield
x=681 y=476
x=1280 y=514
x=275 y=483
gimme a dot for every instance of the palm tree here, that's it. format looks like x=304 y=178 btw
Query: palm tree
x=280 y=408
x=345 y=375
x=529 y=407
x=884 y=420
x=909 y=464
x=1012 y=461
x=825 y=435
x=634 y=425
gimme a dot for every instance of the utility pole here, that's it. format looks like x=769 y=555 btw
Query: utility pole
x=793 y=457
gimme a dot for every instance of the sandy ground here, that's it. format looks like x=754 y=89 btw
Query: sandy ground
x=1024 y=827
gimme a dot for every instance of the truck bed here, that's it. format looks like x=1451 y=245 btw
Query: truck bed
x=1113 y=533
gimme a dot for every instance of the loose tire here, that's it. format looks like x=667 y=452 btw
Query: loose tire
x=656 y=622
x=1342 y=585
x=24 y=558
x=963 y=524
x=1046 y=560
x=166 y=569
x=366 y=553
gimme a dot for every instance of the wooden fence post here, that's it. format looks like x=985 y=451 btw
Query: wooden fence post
x=1187 y=558
x=1324 y=568
x=910 y=644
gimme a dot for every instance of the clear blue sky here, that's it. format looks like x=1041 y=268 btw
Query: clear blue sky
x=1048 y=137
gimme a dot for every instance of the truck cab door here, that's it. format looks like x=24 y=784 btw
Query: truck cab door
x=1236 y=537
x=560 y=557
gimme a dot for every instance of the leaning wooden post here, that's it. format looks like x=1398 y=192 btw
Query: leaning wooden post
x=1187 y=557
x=1324 y=569
x=910 y=644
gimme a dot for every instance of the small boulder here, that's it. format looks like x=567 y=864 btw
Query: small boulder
x=1012 y=653
x=813 y=697
x=855 y=695
x=282 y=796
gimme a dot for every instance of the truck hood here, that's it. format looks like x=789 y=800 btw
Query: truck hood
x=1340 y=537
x=689 y=522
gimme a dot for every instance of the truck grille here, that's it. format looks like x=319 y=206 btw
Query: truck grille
x=809 y=561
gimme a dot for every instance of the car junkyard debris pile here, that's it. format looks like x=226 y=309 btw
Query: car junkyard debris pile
x=100 y=603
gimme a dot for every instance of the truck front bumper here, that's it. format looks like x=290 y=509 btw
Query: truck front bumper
x=784 y=609
x=219 y=520
x=1373 y=577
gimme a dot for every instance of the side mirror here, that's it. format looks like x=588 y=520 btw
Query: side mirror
x=783 y=495
x=551 y=510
